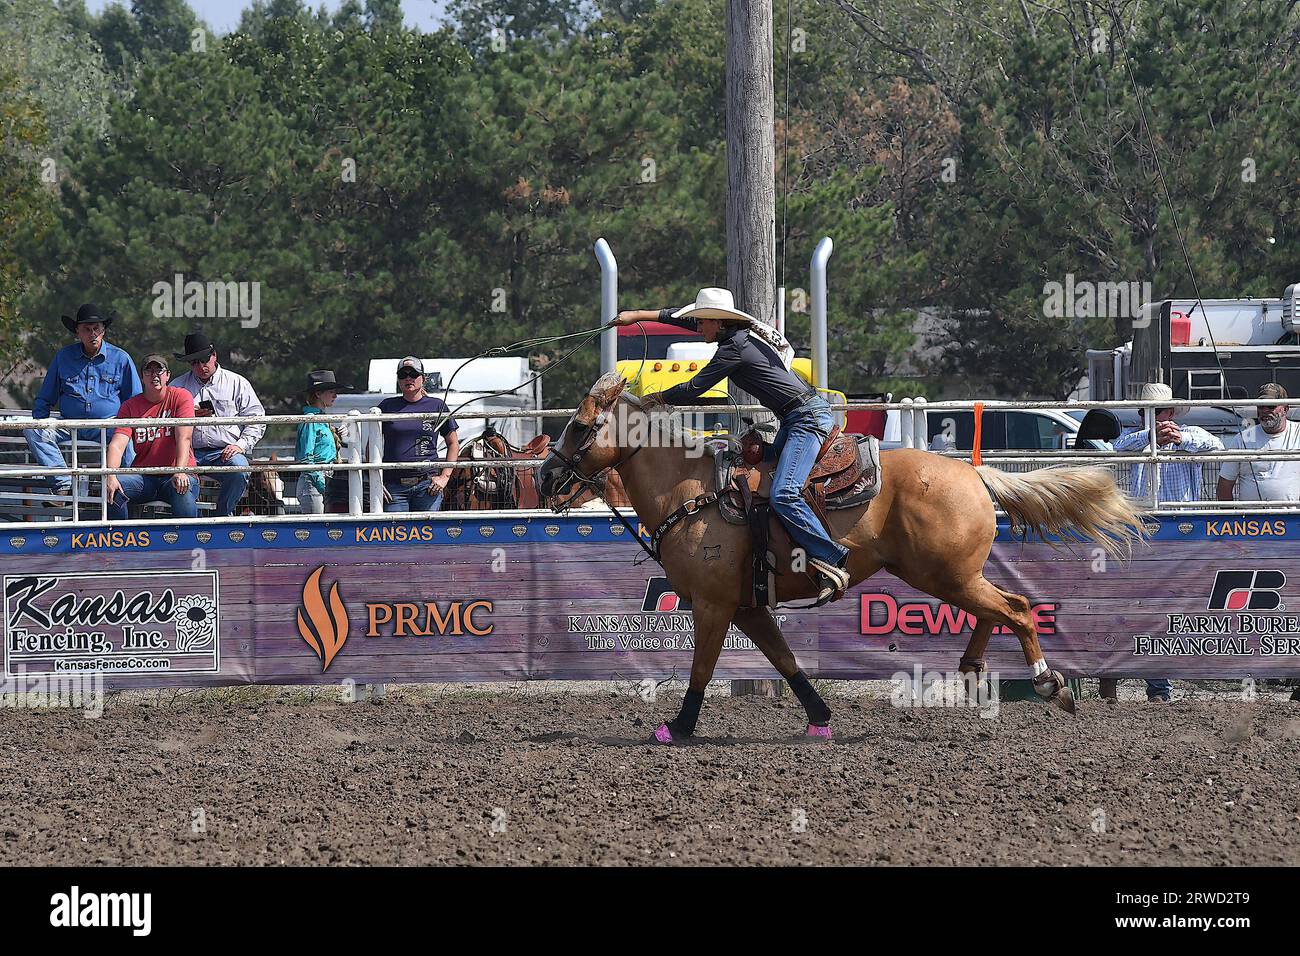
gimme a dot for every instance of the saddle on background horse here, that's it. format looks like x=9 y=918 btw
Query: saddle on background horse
x=846 y=476
x=478 y=489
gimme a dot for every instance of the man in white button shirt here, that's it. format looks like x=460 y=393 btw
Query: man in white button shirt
x=1268 y=480
x=220 y=393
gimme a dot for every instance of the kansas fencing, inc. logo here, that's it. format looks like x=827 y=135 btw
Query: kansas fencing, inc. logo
x=1247 y=591
x=660 y=597
x=114 y=622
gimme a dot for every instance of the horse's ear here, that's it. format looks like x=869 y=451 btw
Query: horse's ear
x=607 y=389
x=588 y=409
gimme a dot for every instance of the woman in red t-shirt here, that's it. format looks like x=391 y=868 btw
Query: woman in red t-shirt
x=156 y=446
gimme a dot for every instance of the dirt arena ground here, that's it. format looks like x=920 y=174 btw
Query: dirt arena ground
x=258 y=776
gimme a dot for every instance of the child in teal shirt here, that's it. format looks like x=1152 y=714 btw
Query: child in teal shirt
x=316 y=441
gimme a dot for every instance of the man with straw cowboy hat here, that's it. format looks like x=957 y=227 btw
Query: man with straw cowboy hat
x=756 y=358
x=1179 y=480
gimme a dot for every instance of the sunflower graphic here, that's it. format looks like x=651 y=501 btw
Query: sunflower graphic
x=196 y=623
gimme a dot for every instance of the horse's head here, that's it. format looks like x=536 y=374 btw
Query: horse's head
x=588 y=445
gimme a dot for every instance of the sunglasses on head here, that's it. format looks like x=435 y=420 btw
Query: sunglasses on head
x=409 y=373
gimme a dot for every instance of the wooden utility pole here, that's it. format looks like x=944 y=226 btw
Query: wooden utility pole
x=751 y=190
x=751 y=159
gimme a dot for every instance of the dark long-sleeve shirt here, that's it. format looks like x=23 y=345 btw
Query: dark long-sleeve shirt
x=745 y=359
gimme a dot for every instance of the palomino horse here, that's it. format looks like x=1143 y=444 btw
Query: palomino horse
x=932 y=525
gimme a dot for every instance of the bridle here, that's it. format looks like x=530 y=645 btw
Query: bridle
x=596 y=482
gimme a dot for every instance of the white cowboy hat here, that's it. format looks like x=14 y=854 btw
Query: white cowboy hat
x=714 y=304
x=1159 y=392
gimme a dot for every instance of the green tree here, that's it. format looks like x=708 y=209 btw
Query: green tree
x=166 y=26
x=383 y=15
x=324 y=190
x=26 y=208
x=479 y=22
x=349 y=16
x=257 y=17
x=118 y=35
x=1062 y=175
x=57 y=66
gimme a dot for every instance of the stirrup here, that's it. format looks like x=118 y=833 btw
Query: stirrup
x=833 y=581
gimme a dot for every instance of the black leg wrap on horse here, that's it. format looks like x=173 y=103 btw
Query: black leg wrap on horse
x=683 y=725
x=818 y=712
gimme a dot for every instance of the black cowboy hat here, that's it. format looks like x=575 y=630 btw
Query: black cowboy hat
x=197 y=348
x=88 y=313
x=322 y=380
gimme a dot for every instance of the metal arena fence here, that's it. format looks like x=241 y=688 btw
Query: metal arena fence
x=362 y=453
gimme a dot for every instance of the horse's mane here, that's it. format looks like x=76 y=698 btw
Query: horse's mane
x=610 y=382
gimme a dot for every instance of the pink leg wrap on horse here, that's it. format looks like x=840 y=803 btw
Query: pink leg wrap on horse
x=815 y=731
x=663 y=734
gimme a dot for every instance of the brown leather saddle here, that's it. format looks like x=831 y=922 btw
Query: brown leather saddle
x=846 y=475
x=485 y=489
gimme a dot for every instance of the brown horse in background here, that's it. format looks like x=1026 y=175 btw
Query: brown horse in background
x=932 y=525
x=265 y=492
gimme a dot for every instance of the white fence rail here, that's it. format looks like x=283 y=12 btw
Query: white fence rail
x=362 y=452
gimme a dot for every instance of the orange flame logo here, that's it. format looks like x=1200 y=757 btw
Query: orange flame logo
x=325 y=626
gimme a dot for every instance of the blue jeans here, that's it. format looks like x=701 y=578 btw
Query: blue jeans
x=142 y=489
x=44 y=446
x=233 y=483
x=411 y=497
x=796 y=445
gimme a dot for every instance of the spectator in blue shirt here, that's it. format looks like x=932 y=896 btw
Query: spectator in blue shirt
x=1179 y=481
x=90 y=379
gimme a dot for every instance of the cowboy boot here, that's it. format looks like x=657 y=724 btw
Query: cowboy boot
x=832 y=580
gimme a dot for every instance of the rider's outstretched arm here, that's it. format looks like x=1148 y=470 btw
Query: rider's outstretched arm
x=632 y=316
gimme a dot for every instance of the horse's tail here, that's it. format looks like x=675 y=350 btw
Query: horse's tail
x=1056 y=501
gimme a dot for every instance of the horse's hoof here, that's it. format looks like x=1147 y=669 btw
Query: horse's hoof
x=823 y=732
x=1064 y=699
x=663 y=735
x=1048 y=684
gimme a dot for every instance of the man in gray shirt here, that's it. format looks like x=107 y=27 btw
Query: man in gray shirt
x=220 y=393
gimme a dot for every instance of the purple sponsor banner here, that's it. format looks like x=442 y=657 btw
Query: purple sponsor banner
x=521 y=599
